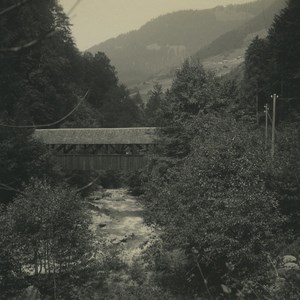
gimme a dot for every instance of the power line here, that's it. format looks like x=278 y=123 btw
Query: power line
x=12 y=7
x=29 y=44
x=42 y=36
x=264 y=16
x=49 y=124
x=73 y=7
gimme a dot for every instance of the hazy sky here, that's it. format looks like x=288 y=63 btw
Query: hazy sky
x=95 y=21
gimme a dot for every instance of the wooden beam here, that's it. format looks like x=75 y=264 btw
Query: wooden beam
x=59 y=148
x=113 y=148
x=67 y=150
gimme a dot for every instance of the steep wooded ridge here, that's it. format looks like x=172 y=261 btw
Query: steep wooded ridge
x=240 y=37
x=167 y=40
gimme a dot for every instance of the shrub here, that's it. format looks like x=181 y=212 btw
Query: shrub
x=215 y=205
x=49 y=231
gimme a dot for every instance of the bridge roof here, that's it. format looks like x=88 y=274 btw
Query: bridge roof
x=97 y=136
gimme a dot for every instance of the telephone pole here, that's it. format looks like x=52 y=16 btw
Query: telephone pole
x=257 y=109
x=266 y=116
x=275 y=97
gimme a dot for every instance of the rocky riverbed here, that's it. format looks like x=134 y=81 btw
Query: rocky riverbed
x=117 y=218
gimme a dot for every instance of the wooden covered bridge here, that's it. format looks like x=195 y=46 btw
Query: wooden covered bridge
x=100 y=148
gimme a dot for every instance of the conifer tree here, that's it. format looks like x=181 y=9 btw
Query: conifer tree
x=255 y=83
x=153 y=109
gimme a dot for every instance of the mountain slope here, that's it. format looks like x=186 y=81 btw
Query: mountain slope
x=226 y=53
x=167 y=40
x=237 y=38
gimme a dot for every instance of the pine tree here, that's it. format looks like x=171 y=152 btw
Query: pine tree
x=191 y=89
x=284 y=39
x=153 y=109
x=255 y=82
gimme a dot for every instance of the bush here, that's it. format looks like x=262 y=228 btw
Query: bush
x=49 y=231
x=215 y=205
x=21 y=157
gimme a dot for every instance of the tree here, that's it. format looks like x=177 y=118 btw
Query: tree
x=49 y=231
x=272 y=64
x=120 y=110
x=21 y=157
x=282 y=176
x=99 y=77
x=192 y=89
x=284 y=39
x=215 y=206
x=257 y=71
x=153 y=111
x=37 y=82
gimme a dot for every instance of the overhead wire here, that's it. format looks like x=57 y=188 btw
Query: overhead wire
x=48 y=34
x=41 y=37
x=14 y=6
x=52 y=123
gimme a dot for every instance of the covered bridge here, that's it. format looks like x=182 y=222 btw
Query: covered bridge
x=100 y=148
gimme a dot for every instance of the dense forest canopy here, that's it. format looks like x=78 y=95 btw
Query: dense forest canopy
x=272 y=64
x=42 y=83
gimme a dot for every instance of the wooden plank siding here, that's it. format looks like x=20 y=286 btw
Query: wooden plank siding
x=101 y=162
x=100 y=148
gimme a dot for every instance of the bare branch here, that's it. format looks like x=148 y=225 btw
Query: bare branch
x=88 y=185
x=73 y=7
x=49 y=124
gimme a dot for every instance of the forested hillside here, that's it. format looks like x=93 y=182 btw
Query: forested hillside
x=235 y=39
x=167 y=40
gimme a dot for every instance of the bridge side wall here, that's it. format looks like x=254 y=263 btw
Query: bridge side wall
x=102 y=162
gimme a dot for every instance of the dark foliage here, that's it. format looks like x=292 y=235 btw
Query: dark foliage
x=21 y=158
x=272 y=65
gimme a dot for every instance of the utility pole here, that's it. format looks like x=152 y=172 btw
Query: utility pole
x=266 y=133
x=275 y=97
x=257 y=114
